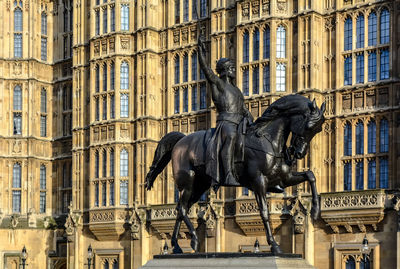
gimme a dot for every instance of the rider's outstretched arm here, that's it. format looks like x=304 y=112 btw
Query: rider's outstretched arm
x=210 y=75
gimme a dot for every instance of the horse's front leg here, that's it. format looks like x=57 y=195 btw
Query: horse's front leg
x=262 y=205
x=296 y=178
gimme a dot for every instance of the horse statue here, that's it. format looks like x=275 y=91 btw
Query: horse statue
x=267 y=160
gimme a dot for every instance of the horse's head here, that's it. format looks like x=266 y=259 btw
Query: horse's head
x=304 y=127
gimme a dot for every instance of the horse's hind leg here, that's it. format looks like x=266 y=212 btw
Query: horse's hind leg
x=174 y=239
x=186 y=204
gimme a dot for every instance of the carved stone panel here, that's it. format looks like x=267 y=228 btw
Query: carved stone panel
x=371 y=99
x=176 y=37
x=383 y=99
x=265 y=7
x=245 y=11
x=346 y=102
x=359 y=100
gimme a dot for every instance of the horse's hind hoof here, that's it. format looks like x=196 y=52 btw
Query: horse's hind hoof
x=177 y=250
x=275 y=249
x=194 y=243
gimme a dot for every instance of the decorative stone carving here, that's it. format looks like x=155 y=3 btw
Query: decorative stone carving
x=17 y=68
x=265 y=7
x=16 y=146
x=69 y=225
x=356 y=208
x=108 y=224
x=193 y=33
x=125 y=44
x=14 y=221
x=111 y=44
x=281 y=6
x=104 y=46
x=298 y=220
x=185 y=35
x=96 y=48
x=255 y=7
x=245 y=10
x=176 y=34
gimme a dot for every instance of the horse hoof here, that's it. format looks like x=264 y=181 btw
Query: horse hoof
x=275 y=249
x=194 y=243
x=177 y=250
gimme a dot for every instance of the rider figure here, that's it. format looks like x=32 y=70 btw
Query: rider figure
x=229 y=102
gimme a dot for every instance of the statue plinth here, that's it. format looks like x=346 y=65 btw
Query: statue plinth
x=228 y=260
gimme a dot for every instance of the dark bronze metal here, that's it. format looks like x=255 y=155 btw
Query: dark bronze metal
x=266 y=161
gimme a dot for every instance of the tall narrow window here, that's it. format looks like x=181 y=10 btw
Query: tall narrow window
x=385 y=27
x=105 y=78
x=16 y=201
x=384 y=74
x=185 y=10
x=97 y=108
x=43 y=101
x=266 y=82
x=245 y=82
x=16 y=194
x=104 y=108
x=194 y=10
x=256 y=44
x=348 y=77
x=177 y=69
x=177 y=11
x=372 y=174
x=256 y=80
x=281 y=42
x=16 y=183
x=18 y=45
x=383 y=173
x=372 y=66
x=360 y=175
x=372 y=31
x=125 y=17
x=43 y=49
x=360 y=138
x=105 y=21
x=203 y=8
x=350 y=263
x=266 y=43
x=384 y=136
x=104 y=194
x=43 y=126
x=176 y=101
x=176 y=195
x=360 y=32
x=97 y=22
x=185 y=97
x=112 y=194
x=17 y=98
x=124 y=172
x=123 y=192
x=194 y=66
x=372 y=137
x=124 y=110
x=348 y=34
x=97 y=79
x=185 y=68
x=112 y=25
x=104 y=164
x=280 y=77
x=65 y=17
x=112 y=76
x=347 y=140
x=17 y=20
x=360 y=69
x=203 y=96
x=347 y=177
x=96 y=194
x=246 y=44
x=17 y=123
x=42 y=179
x=124 y=76
x=112 y=163
x=112 y=106
x=96 y=164
x=194 y=97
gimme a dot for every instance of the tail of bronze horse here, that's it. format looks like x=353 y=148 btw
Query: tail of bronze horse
x=162 y=156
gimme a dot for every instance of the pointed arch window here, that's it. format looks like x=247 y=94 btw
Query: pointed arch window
x=281 y=42
x=97 y=22
x=112 y=11
x=105 y=21
x=106 y=265
x=194 y=65
x=177 y=69
x=246 y=44
x=372 y=66
x=360 y=138
x=360 y=32
x=124 y=76
x=203 y=8
x=347 y=140
x=256 y=45
x=177 y=11
x=266 y=43
x=372 y=29
x=18 y=20
x=385 y=26
x=384 y=70
x=125 y=17
x=372 y=137
x=384 y=136
x=44 y=23
x=350 y=263
x=124 y=158
x=185 y=68
x=348 y=34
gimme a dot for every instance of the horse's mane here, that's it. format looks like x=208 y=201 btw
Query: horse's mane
x=286 y=106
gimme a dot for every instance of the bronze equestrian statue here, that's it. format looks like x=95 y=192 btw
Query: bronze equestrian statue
x=266 y=162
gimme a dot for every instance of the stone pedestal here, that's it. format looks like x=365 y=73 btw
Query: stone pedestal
x=227 y=260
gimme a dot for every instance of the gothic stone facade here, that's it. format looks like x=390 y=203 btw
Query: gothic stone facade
x=89 y=87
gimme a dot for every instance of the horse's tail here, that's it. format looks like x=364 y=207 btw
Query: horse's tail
x=162 y=156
